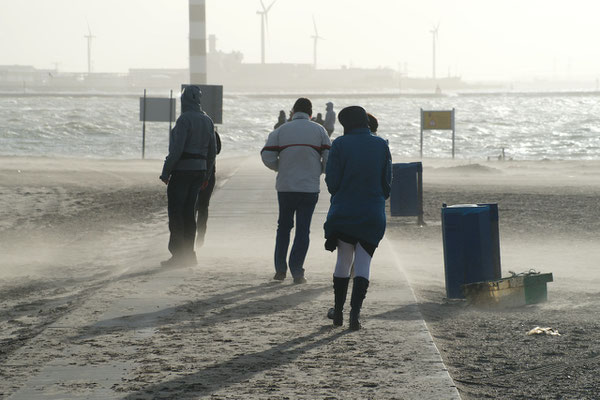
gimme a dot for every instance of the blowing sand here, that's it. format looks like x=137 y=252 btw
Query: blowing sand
x=72 y=228
x=550 y=222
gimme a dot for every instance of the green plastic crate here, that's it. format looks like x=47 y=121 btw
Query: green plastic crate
x=514 y=291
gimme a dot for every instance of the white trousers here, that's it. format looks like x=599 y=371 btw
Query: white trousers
x=346 y=253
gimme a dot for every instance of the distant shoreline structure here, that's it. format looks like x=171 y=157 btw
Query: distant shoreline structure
x=27 y=80
x=235 y=77
x=274 y=79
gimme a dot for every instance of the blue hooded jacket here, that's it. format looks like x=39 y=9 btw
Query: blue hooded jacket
x=192 y=142
x=358 y=176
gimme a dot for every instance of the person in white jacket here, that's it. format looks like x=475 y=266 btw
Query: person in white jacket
x=298 y=152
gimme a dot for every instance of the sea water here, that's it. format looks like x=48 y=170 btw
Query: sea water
x=529 y=126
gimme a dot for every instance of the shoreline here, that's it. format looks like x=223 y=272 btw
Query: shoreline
x=391 y=93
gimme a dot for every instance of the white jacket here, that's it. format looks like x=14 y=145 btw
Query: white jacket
x=298 y=151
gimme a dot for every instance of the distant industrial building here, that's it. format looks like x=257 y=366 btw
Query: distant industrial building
x=229 y=70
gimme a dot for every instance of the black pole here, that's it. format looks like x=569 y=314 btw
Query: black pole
x=453 y=143
x=421 y=133
x=453 y=134
x=170 y=110
x=420 y=218
x=144 y=127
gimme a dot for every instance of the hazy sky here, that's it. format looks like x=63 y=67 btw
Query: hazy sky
x=478 y=39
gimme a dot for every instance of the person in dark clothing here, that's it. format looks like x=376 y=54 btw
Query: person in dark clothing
x=203 y=200
x=358 y=177
x=281 y=119
x=192 y=150
x=319 y=119
x=329 y=123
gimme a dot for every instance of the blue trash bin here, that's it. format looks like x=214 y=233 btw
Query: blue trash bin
x=406 y=197
x=495 y=238
x=471 y=247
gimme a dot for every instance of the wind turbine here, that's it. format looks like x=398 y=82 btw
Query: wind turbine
x=434 y=33
x=89 y=38
x=315 y=38
x=264 y=21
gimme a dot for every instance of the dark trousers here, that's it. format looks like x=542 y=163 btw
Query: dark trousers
x=302 y=205
x=202 y=209
x=182 y=193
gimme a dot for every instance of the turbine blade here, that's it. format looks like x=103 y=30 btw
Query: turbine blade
x=263 y=6
x=267 y=10
x=315 y=25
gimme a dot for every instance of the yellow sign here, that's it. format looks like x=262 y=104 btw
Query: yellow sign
x=437 y=120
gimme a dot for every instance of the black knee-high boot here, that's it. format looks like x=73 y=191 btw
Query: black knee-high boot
x=359 y=291
x=340 y=289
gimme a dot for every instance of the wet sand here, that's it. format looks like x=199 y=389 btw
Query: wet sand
x=71 y=229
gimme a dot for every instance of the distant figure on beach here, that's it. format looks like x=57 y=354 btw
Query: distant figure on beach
x=203 y=200
x=319 y=119
x=329 y=119
x=358 y=177
x=298 y=151
x=281 y=120
x=192 y=151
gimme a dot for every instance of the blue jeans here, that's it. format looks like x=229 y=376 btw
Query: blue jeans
x=303 y=205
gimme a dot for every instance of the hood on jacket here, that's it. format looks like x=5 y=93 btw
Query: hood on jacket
x=190 y=98
x=353 y=117
x=329 y=106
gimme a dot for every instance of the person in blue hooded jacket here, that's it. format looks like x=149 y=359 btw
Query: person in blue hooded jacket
x=192 y=151
x=358 y=176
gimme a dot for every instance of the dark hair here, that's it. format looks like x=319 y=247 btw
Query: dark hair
x=373 y=123
x=353 y=117
x=303 y=105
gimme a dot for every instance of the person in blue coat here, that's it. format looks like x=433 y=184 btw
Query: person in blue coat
x=358 y=177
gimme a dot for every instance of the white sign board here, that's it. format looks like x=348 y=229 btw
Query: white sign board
x=156 y=109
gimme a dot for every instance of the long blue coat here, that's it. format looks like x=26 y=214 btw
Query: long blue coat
x=358 y=176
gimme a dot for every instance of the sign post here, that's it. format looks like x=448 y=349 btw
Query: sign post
x=211 y=101
x=437 y=120
x=155 y=109
x=171 y=111
x=144 y=127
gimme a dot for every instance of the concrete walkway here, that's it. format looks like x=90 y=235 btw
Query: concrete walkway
x=225 y=330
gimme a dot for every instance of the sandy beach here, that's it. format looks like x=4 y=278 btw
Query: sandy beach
x=76 y=234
